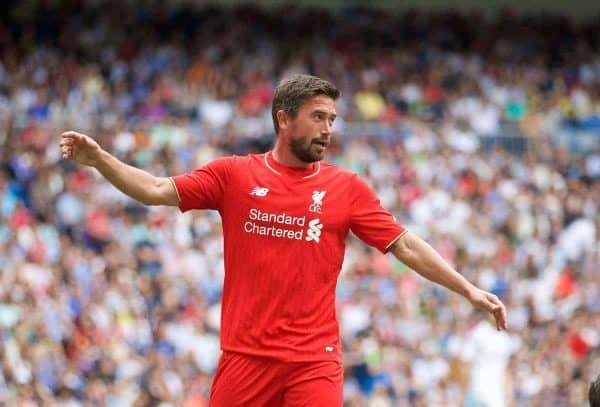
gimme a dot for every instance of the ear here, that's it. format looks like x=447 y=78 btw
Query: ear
x=283 y=119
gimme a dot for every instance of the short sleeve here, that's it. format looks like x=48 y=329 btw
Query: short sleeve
x=369 y=221
x=204 y=188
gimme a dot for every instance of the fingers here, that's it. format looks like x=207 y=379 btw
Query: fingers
x=503 y=318
x=72 y=134
x=497 y=308
x=66 y=152
x=70 y=137
x=68 y=141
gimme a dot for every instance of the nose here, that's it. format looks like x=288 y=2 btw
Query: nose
x=327 y=128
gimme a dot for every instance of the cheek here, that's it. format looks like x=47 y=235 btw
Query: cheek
x=305 y=131
x=312 y=130
x=301 y=140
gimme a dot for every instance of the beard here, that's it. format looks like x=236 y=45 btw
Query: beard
x=306 y=152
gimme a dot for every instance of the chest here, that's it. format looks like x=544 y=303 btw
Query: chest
x=281 y=200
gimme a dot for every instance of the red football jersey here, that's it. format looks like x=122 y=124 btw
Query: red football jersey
x=284 y=233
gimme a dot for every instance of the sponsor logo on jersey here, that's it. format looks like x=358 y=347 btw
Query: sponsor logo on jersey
x=317 y=197
x=313 y=233
x=259 y=191
x=282 y=225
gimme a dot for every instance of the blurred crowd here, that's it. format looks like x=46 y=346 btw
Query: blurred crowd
x=459 y=127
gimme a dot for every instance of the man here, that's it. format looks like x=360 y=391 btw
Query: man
x=285 y=215
x=489 y=353
x=594 y=393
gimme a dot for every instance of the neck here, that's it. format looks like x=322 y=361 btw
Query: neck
x=284 y=156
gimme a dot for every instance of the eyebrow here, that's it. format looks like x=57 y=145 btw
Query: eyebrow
x=334 y=115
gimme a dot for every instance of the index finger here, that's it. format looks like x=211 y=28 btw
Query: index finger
x=500 y=315
x=71 y=134
x=504 y=317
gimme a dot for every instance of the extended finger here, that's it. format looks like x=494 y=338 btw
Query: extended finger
x=499 y=312
x=71 y=135
x=491 y=306
x=503 y=318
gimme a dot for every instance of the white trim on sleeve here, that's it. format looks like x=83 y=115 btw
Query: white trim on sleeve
x=176 y=190
x=395 y=239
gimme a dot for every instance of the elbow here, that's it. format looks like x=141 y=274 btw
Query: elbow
x=150 y=195
x=145 y=198
x=402 y=248
x=147 y=201
x=412 y=251
x=159 y=193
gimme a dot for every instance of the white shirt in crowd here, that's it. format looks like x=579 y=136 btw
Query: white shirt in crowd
x=488 y=351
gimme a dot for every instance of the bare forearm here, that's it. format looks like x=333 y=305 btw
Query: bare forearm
x=418 y=255
x=136 y=183
x=421 y=257
x=132 y=181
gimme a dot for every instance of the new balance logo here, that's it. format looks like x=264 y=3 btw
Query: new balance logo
x=260 y=191
x=314 y=230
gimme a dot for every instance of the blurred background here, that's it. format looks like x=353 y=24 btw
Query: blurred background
x=478 y=126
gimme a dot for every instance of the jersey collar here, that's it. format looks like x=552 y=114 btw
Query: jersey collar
x=281 y=169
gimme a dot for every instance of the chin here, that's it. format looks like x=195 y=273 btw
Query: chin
x=309 y=155
x=312 y=159
x=317 y=156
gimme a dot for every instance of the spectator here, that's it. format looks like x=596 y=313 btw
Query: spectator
x=486 y=145
x=594 y=394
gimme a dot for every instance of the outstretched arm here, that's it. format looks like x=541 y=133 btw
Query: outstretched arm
x=421 y=257
x=138 y=184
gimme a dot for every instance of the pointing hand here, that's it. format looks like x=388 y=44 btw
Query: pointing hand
x=79 y=147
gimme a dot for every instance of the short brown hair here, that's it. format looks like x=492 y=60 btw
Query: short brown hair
x=292 y=92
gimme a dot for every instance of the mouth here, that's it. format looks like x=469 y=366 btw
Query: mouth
x=322 y=143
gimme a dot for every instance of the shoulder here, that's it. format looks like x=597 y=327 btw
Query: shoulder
x=230 y=162
x=232 y=159
x=356 y=186
x=337 y=171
